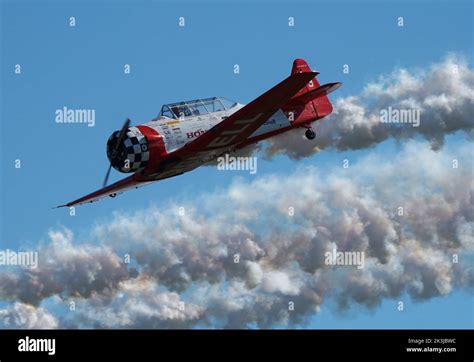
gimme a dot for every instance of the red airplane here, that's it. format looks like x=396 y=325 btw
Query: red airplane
x=188 y=134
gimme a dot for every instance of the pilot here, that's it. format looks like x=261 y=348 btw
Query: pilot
x=175 y=111
x=185 y=111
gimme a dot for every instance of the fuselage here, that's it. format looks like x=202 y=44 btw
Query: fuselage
x=180 y=123
x=176 y=133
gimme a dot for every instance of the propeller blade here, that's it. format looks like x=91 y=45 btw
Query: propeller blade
x=122 y=133
x=106 y=179
x=119 y=140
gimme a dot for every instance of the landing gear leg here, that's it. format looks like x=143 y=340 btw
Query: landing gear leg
x=310 y=134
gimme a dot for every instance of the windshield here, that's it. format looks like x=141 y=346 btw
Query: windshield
x=196 y=107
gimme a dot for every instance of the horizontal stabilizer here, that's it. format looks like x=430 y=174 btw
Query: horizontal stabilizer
x=321 y=91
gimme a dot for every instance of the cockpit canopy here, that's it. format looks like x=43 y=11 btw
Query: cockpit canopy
x=196 y=107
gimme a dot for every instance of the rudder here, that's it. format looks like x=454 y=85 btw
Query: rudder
x=322 y=106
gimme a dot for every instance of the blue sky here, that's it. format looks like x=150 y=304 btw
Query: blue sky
x=82 y=67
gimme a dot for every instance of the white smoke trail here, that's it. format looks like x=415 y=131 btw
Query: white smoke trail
x=254 y=254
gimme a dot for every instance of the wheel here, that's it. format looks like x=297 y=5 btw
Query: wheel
x=310 y=134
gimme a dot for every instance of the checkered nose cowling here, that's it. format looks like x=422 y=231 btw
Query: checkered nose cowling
x=132 y=154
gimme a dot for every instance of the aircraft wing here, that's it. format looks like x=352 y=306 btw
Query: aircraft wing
x=240 y=125
x=227 y=134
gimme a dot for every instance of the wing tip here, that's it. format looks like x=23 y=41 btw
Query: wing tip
x=111 y=191
x=60 y=206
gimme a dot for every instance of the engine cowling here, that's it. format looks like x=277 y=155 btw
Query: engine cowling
x=132 y=153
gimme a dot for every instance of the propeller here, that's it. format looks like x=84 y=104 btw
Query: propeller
x=118 y=142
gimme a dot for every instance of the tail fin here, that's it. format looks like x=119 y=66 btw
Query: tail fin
x=322 y=105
